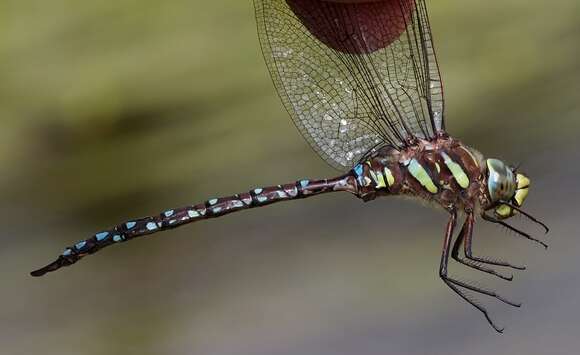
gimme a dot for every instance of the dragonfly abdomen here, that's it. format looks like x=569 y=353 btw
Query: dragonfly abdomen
x=211 y=208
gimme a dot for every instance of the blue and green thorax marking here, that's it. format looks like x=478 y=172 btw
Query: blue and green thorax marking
x=430 y=172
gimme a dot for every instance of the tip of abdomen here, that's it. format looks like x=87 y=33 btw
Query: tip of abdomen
x=55 y=265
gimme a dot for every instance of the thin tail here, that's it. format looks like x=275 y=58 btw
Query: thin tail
x=210 y=209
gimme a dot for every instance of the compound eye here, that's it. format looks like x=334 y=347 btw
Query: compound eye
x=500 y=181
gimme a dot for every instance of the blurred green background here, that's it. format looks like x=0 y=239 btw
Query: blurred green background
x=112 y=110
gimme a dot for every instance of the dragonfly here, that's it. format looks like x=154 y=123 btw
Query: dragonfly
x=361 y=82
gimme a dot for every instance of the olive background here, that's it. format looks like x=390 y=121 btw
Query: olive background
x=112 y=110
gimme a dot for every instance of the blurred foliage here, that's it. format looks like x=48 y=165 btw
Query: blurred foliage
x=116 y=109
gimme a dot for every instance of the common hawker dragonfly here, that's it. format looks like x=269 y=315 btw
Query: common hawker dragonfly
x=361 y=82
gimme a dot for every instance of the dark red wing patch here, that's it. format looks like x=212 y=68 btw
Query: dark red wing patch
x=354 y=28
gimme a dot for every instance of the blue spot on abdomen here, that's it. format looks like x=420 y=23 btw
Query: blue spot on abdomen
x=101 y=236
x=130 y=225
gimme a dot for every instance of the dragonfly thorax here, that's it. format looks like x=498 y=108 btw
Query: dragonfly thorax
x=443 y=171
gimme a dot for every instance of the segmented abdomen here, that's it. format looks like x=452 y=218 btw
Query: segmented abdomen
x=211 y=208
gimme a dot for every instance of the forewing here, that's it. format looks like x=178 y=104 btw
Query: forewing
x=353 y=77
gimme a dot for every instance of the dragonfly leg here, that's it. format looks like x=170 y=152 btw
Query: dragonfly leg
x=469 y=254
x=466 y=232
x=458 y=286
x=529 y=216
x=513 y=229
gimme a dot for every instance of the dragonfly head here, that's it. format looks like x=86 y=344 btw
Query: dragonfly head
x=504 y=184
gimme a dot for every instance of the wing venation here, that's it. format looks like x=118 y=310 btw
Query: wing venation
x=353 y=77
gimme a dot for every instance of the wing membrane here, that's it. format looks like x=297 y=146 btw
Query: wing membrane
x=353 y=77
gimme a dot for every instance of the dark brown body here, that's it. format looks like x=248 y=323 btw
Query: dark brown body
x=428 y=154
x=442 y=171
x=365 y=87
x=359 y=181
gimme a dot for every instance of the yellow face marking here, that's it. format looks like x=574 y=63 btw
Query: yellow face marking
x=458 y=173
x=522 y=180
x=504 y=211
x=419 y=173
x=390 y=177
x=438 y=168
x=521 y=195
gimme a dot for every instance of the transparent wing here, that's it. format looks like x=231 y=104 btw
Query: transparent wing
x=353 y=76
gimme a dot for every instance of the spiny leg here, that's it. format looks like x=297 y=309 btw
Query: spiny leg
x=467 y=229
x=453 y=284
x=514 y=229
x=469 y=253
x=443 y=272
x=476 y=305
x=529 y=216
